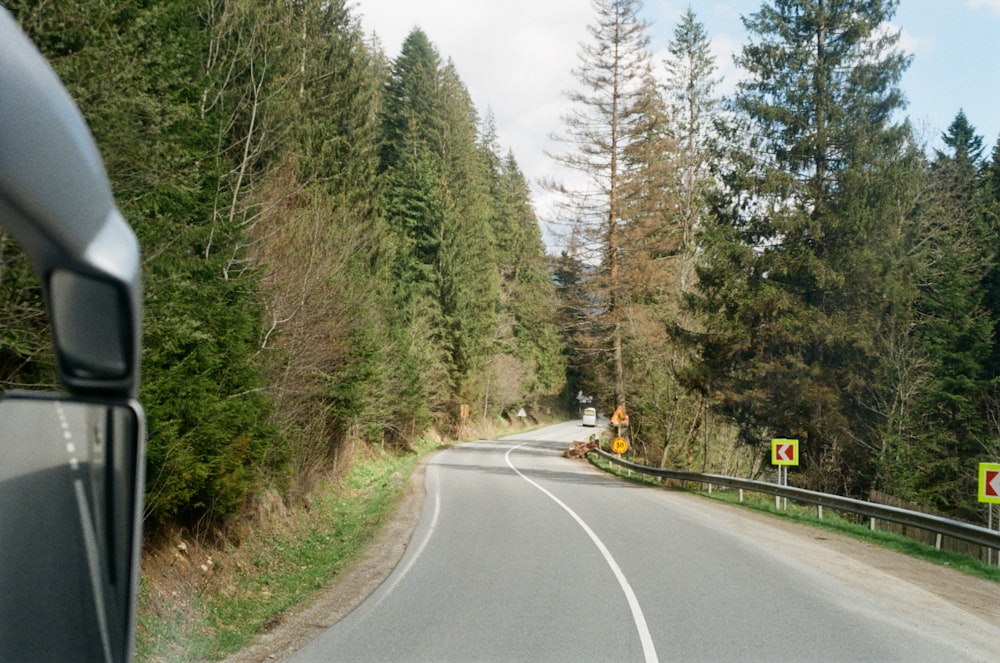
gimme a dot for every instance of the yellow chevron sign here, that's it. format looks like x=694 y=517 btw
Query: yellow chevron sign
x=784 y=452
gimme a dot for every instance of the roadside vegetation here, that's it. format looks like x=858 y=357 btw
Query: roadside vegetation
x=203 y=602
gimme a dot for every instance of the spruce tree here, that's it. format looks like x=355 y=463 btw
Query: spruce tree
x=438 y=206
x=791 y=278
x=690 y=94
x=991 y=298
x=612 y=110
x=469 y=292
x=991 y=194
x=954 y=327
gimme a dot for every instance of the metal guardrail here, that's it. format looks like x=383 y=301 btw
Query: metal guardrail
x=943 y=526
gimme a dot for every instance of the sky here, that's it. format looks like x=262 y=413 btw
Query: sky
x=517 y=57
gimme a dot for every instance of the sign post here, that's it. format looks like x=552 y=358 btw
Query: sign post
x=463 y=412
x=783 y=453
x=989 y=492
x=619 y=445
x=619 y=419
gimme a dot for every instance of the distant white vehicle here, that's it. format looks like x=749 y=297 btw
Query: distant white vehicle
x=590 y=417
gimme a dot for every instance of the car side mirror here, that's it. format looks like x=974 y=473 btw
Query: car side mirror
x=71 y=477
x=72 y=467
x=55 y=199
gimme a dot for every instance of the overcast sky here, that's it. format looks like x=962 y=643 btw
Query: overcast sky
x=517 y=56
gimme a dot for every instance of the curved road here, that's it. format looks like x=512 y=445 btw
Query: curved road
x=523 y=555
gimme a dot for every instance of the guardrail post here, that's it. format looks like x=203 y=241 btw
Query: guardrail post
x=819 y=511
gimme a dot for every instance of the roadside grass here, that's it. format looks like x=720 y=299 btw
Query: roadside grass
x=247 y=588
x=287 y=571
x=831 y=521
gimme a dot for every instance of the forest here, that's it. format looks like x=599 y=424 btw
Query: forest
x=338 y=252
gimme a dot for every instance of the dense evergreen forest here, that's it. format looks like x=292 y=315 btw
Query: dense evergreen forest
x=793 y=256
x=338 y=252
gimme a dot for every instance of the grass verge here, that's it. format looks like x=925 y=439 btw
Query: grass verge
x=831 y=521
x=201 y=604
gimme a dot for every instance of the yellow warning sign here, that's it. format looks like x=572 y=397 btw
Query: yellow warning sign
x=619 y=417
x=784 y=452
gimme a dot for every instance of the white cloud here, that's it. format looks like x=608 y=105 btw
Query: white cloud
x=912 y=43
x=724 y=48
x=915 y=45
x=992 y=6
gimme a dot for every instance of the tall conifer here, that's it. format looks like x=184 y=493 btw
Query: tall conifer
x=791 y=277
x=611 y=113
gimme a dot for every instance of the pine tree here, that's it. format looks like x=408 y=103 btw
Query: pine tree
x=991 y=186
x=991 y=300
x=438 y=205
x=527 y=292
x=413 y=202
x=467 y=264
x=954 y=328
x=966 y=146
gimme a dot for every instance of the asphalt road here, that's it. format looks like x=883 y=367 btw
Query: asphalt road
x=523 y=555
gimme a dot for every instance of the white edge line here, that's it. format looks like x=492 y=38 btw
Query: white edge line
x=648 y=649
x=398 y=577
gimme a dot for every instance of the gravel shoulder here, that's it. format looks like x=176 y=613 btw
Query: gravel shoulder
x=859 y=563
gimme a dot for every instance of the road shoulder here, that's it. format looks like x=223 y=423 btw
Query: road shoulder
x=294 y=630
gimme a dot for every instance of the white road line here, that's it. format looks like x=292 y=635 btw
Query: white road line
x=398 y=577
x=74 y=462
x=648 y=649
